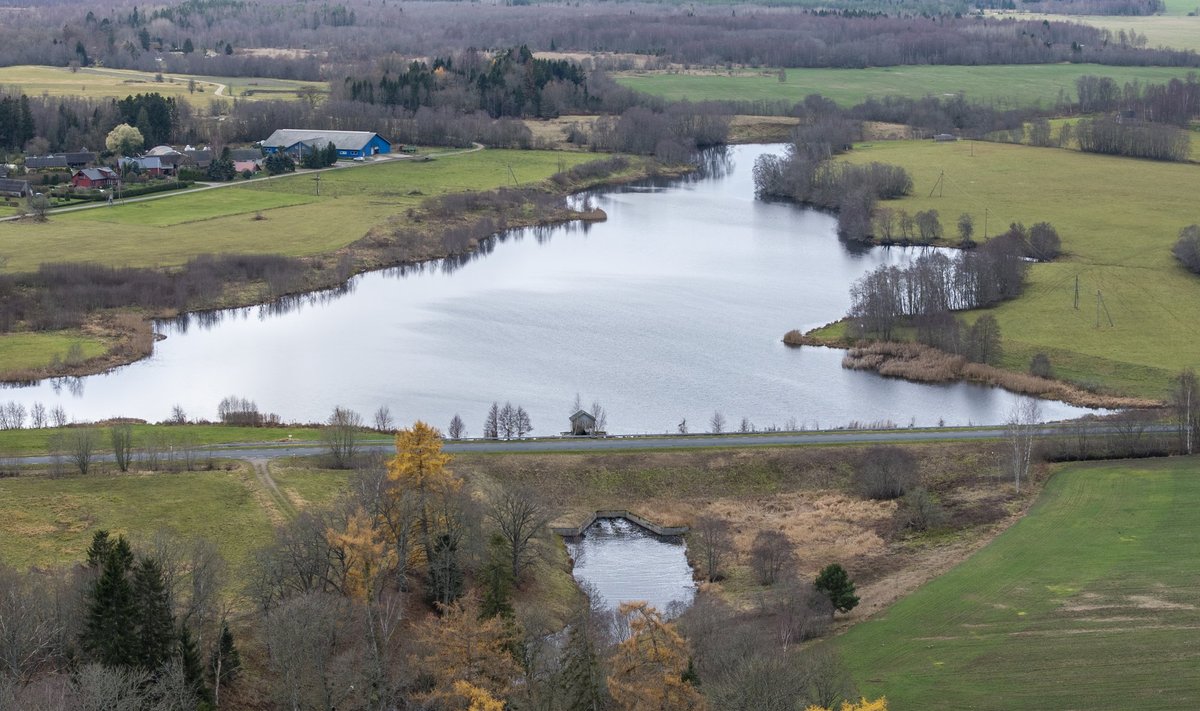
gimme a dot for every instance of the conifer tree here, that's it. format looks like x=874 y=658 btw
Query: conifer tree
x=497 y=580
x=155 y=623
x=225 y=665
x=191 y=664
x=109 y=635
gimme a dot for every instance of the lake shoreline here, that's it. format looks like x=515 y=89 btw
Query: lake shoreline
x=918 y=363
x=129 y=334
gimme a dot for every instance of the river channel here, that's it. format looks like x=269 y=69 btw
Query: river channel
x=673 y=309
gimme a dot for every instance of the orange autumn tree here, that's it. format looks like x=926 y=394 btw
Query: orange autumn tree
x=466 y=657
x=647 y=669
x=367 y=555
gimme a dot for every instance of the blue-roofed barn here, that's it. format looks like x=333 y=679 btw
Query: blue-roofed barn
x=349 y=144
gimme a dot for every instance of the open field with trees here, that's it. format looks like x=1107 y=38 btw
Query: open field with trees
x=1122 y=251
x=104 y=83
x=1014 y=85
x=1086 y=603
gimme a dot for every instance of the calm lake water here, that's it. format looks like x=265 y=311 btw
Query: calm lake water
x=619 y=561
x=674 y=308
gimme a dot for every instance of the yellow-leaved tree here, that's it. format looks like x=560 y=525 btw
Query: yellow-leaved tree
x=461 y=648
x=476 y=699
x=647 y=669
x=419 y=469
x=864 y=704
x=367 y=555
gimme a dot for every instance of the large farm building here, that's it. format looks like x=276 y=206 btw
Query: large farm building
x=350 y=144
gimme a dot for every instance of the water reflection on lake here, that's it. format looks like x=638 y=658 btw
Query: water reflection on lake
x=619 y=561
x=672 y=309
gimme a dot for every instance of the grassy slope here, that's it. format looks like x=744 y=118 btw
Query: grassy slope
x=168 y=231
x=119 y=83
x=1090 y=602
x=1118 y=219
x=1008 y=84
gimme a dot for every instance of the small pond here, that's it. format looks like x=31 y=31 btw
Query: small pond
x=622 y=562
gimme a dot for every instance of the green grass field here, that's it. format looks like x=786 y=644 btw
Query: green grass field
x=51 y=521
x=1007 y=85
x=19 y=351
x=1090 y=602
x=36 y=441
x=170 y=230
x=1118 y=219
x=102 y=83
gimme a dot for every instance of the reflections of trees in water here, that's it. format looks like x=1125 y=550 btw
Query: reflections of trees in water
x=712 y=164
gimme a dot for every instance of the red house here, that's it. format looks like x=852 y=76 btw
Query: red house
x=95 y=178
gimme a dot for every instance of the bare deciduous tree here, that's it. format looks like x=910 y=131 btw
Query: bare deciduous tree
x=383 y=419
x=770 y=555
x=713 y=540
x=37 y=416
x=59 y=416
x=1021 y=429
x=341 y=433
x=716 y=424
x=457 y=428
x=121 y=437
x=519 y=516
x=82 y=447
x=885 y=472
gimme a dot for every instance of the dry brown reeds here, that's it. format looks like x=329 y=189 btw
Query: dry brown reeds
x=925 y=364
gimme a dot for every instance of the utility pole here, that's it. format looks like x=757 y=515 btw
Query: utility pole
x=318 y=181
x=985 y=220
x=1076 y=292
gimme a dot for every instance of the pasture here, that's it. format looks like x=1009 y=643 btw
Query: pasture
x=168 y=231
x=104 y=83
x=1118 y=218
x=1003 y=85
x=1091 y=601
x=24 y=350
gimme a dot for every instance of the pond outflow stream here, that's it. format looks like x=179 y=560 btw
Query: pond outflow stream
x=618 y=561
x=671 y=310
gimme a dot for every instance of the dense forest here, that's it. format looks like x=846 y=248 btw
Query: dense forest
x=227 y=38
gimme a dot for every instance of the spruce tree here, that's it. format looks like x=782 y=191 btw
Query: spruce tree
x=581 y=677
x=497 y=580
x=225 y=665
x=189 y=662
x=155 y=628
x=109 y=635
x=98 y=552
x=836 y=583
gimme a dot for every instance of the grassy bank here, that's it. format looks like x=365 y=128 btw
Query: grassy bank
x=1118 y=219
x=1089 y=602
x=31 y=442
x=1005 y=85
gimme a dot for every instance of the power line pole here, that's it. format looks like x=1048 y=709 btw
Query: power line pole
x=1076 y=292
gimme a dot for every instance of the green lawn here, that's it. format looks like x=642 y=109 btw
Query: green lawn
x=19 y=351
x=168 y=231
x=1118 y=218
x=47 y=521
x=1007 y=85
x=1091 y=602
x=31 y=441
x=103 y=83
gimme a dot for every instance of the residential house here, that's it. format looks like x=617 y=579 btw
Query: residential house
x=95 y=178
x=350 y=144
x=242 y=166
x=199 y=157
x=74 y=159
x=11 y=187
x=147 y=165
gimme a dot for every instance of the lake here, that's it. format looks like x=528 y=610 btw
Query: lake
x=671 y=310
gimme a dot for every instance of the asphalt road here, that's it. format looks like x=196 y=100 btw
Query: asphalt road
x=275 y=450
